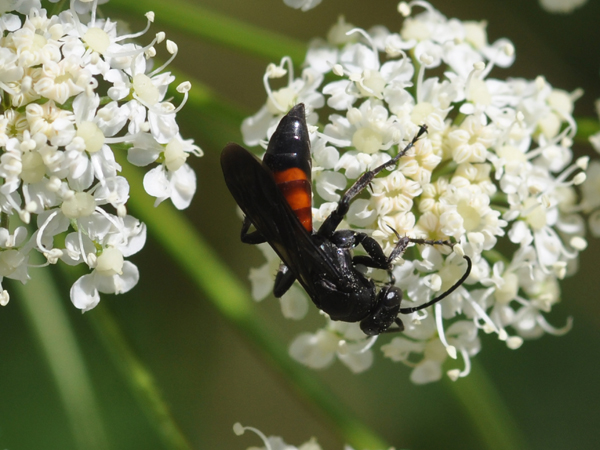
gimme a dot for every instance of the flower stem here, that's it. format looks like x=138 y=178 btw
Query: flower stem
x=488 y=412
x=45 y=311
x=586 y=126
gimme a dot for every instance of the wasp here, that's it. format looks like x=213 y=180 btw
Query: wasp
x=275 y=196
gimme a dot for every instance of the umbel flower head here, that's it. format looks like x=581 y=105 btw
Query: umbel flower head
x=73 y=90
x=495 y=173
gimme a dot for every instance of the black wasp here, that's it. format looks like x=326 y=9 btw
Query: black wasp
x=275 y=196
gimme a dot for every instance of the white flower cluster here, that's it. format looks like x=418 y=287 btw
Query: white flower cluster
x=73 y=90
x=495 y=173
x=277 y=443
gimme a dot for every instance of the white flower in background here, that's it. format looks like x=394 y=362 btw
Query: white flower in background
x=277 y=443
x=496 y=167
x=562 y=6
x=304 y=5
x=58 y=133
x=591 y=186
x=294 y=304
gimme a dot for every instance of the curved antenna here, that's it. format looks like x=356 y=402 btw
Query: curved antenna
x=445 y=294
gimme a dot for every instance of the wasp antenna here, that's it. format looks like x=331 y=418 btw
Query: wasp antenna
x=445 y=294
x=421 y=132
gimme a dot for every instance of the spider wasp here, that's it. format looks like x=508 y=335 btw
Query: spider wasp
x=275 y=196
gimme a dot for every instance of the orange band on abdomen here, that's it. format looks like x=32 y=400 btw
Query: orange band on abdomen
x=287 y=175
x=295 y=187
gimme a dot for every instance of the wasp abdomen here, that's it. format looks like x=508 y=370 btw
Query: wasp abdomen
x=288 y=159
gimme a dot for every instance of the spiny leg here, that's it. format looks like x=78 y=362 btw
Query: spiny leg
x=432 y=242
x=377 y=258
x=399 y=249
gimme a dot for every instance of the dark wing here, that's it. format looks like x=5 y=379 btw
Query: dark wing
x=255 y=191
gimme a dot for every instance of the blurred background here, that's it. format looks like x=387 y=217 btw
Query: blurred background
x=212 y=377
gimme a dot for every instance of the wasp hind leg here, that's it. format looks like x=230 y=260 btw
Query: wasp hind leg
x=283 y=280
x=250 y=238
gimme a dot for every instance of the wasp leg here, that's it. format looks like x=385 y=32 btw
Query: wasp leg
x=283 y=280
x=430 y=242
x=381 y=262
x=335 y=218
x=377 y=258
x=387 y=304
x=350 y=239
x=250 y=238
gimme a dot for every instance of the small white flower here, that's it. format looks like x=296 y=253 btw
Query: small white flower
x=179 y=186
x=340 y=339
x=469 y=142
x=315 y=350
x=85 y=291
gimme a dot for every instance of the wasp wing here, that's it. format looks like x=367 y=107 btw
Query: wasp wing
x=255 y=191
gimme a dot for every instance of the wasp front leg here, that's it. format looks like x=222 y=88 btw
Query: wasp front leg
x=336 y=217
x=387 y=304
x=375 y=257
x=348 y=239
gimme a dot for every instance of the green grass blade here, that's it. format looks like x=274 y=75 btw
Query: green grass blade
x=139 y=379
x=46 y=312
x=216 y=28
